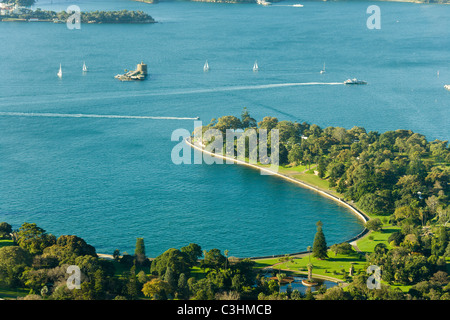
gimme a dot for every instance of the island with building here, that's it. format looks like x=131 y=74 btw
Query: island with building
x=139 y=74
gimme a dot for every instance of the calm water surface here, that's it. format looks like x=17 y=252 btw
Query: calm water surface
x=112 y=180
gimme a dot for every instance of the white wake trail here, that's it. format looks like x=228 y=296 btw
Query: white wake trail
x=10 y=101
x=82 y=115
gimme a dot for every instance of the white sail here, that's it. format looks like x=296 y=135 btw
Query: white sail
x=255 y=66
x=84 y=67
x=60 y=71
x=323 y=70
x=206 y=66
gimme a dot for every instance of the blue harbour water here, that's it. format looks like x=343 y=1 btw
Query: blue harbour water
x=111 y=180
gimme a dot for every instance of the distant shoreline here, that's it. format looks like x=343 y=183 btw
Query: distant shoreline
x=255 y=2
x=89 y=17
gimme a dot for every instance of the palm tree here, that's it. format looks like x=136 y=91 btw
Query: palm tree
x=309 y=253
x=307 y=158
x=280 y=277
x=310 y=265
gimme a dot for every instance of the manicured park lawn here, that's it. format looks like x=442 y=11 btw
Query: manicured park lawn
x=13 y=293
x=367 y=244
x=298 y=168
x=4 y=243
x=336 y=266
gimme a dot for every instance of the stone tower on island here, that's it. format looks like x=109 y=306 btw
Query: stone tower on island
x=142 y=68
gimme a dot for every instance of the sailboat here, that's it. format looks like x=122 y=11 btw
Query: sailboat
x=60 y=71
x=323 y=70
x=84 y=67
x=206 y=66
x=255 y=66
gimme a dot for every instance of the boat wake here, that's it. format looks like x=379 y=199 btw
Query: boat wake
x=48 y=99
x=81 y=115
x=239 y=88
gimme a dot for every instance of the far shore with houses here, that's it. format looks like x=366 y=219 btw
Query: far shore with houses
x=14 y=13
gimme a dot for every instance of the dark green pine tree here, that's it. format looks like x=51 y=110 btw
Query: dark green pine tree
x=320 y=244
x=139 y=252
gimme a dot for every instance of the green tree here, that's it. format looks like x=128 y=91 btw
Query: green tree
x=342 y=248
x=178 y=261
x=194 y=252
x=295 y=154
x=182 y=287
x=280 y=277
x=5 y=230
x=13 y=261
x=171 y=278
x=156 y=289
x=214 y=259
x=139 y=252
x=268 y=123
x=228 y=122
x=33 y=238
x=246 y=120
x=322 y=168
x=320 y=244
x=132 y=284
x=374 y=224
x=68 y=247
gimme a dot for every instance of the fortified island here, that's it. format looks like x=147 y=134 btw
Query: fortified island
x=139 y=74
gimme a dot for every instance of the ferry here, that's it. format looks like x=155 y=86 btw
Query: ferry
x=354 y=81
x=263 y=2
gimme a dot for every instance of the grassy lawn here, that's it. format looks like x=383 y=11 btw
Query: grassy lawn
x=7 y=293
x=198 y=273
x=367 y=244
x=263 y=263
x=286 y=170
x=336 y=266
x=314 y=180
x=4 y=243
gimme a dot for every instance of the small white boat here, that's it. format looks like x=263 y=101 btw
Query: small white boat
x=255 y=66
x=263 y=2
x=206 y=66
x=447 y=86
x=298 y=5
x=323 y=70
x=85 y=69
x=60 y=71
x=354 y=81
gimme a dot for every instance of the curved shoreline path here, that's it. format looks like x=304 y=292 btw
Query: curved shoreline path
x=340 y=201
